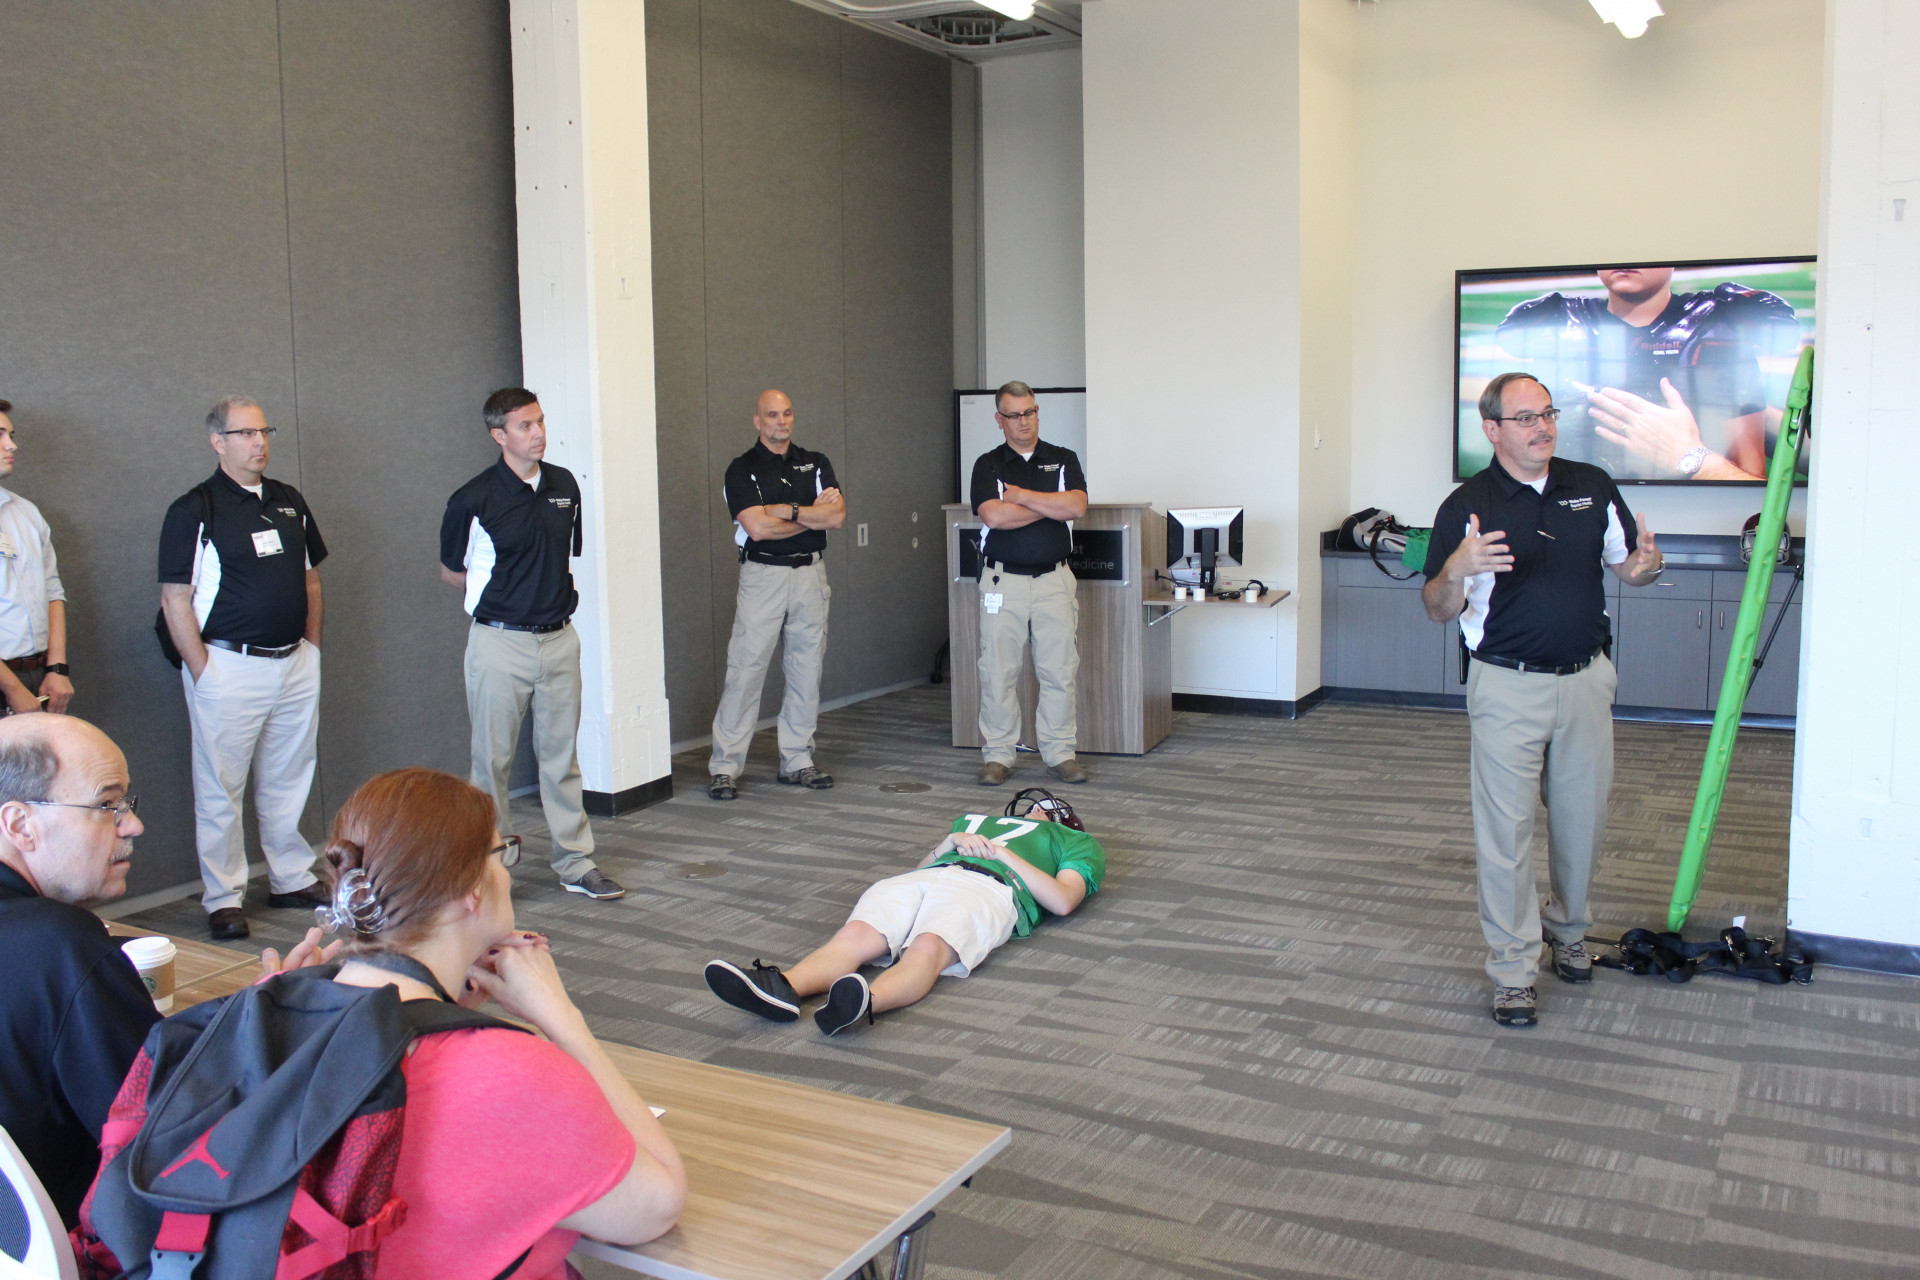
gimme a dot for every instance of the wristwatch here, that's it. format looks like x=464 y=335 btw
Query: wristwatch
x=1692 y=460
x=57 y=669
x=793 y=508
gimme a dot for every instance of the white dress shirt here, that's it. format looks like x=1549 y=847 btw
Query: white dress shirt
x=29 y=576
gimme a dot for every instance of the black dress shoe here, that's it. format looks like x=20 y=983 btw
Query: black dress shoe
x=314 y=895
x=228 y=924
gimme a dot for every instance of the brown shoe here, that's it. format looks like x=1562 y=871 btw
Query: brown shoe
x=314 y=895
x=993 y=773
x=1068 y=770
x=228 y=924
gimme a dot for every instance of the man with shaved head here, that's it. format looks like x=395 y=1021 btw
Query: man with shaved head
x=783 y=499
x=73 y=1012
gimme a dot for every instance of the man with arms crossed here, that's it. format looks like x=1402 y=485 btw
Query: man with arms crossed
x=783 y=499
x=33 y=604
x=505 y=541
x=991 y=879
x=1025 y=491
x=240 y=590
x=1516 y=556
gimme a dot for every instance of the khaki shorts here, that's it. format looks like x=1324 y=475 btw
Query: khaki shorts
x=971 y=913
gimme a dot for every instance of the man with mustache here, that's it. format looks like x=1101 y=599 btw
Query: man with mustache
x=1516 y=556
x=240 y=589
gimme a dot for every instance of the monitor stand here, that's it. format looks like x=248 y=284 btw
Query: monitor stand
x=1207 y=543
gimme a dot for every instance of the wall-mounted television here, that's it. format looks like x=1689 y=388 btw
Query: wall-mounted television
x=1648 y=363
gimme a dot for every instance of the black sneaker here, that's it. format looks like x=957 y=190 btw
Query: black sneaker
x=720 y=787
x=765 y=991
x=314 y=895
x=596 y=884
x=1515 y=1006
x=809 y=777
x=1571 y=963
x=848 y=1001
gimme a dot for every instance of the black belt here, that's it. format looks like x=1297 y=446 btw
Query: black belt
x=29 y=661
x=1534 y=668
x=1024 y=570
x=799 y=561
x=254 y=650
x=538 y=629
x=968 y=866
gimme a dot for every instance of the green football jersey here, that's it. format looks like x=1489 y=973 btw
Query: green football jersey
x=1049 y=846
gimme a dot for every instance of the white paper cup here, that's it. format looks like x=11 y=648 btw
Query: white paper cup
x=153 y=960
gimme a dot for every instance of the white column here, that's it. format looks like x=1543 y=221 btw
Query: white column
x=586 y=332
x=1855 y=853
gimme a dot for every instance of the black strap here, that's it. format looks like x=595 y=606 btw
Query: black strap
x=1733 y=954
x=406 y=966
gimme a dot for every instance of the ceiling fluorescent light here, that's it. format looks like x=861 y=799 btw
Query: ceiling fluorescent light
x=1018 y=10
x=1631 y=16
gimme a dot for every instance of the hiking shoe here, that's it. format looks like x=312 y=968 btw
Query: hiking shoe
x=720 y=787
x=1068 y=770
x=1515 y=1006
x=314 y=895
x=993 y=773
x=848 y=1000
x=596 y=885
x=809 y=777
x=228 y=924
x=1571 y=963
x=765 y=991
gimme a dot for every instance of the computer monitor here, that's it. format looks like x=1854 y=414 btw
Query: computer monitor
x=1203 y=538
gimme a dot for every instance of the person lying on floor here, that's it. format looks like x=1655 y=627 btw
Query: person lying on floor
x=991 y=879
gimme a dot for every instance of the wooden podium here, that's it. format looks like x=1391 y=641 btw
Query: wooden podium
x=1125 y=686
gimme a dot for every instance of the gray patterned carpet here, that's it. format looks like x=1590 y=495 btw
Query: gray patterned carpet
x=1264 y=1049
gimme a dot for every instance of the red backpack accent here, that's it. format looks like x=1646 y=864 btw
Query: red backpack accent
x=259 y=1136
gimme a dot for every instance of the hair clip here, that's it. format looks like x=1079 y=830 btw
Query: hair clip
x=355 y=906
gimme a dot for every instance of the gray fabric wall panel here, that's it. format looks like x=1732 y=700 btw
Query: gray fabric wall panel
x=144 y=239
x=680 y=357
x=406 y=314
x=764 y=125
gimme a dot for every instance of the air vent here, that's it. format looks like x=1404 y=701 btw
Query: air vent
x=965 y=31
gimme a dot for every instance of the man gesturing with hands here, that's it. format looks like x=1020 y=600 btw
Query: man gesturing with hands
x=1516 y=556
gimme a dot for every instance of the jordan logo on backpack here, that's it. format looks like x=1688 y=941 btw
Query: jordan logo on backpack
x=195 y=1154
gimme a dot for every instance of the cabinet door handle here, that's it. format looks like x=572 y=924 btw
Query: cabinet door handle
x=1699 y=619
x=1723 y=620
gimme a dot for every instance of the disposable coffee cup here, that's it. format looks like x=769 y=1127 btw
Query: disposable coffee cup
x=153 y=961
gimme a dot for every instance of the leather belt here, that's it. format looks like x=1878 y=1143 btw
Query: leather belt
x=1533 y=668
x=538 y=629
x=28 y=661
x=968 y=866
x=1024 y=570
x=254 y=650
x=799 y=561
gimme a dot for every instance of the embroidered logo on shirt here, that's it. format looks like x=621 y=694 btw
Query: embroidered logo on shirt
x=289 y=513
x=561 y=502
x=804 y=466
x=1576 y=504
x=1049 y=466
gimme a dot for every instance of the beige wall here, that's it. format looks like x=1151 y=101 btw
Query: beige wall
x=1498 y=133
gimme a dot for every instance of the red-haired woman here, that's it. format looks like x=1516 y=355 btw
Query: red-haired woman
x=513 y=1144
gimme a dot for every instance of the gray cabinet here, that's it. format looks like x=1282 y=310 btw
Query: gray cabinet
x=1660 y=641
x=1375 y=633
x=1775 y=690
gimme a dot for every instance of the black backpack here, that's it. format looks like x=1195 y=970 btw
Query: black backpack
x=258 y=1136
x=168 y=649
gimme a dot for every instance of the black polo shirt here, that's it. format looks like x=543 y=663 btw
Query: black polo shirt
x=73 y=1015
x=1050 y=468
x=1551 y=607
x=513 y=541
x=760 y=476
x=250 y=581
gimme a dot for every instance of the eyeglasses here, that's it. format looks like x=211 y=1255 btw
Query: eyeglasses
x=253 y=433
x=509 y=851
x=1531 y=419
x=1025 y=415
x=121 y=809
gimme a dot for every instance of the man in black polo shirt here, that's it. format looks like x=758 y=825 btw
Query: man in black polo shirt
x=505 y=541
x=1516 y=556
x=783 y=499
x=240 y=589
x=1024 y=492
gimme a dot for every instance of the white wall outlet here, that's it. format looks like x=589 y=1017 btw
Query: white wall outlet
x=860 y=534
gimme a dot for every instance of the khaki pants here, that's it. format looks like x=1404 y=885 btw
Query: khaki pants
x=1537 y=737
x=263 y=715
x=506 y=671
x=1046 y=609
x=773 y=602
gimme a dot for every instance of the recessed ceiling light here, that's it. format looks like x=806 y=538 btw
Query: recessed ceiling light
x=1019 y=10
x=1631 y=16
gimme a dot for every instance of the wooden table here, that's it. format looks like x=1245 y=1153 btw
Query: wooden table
x=1161 y=597
x=784 y=1181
